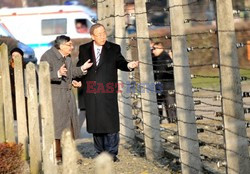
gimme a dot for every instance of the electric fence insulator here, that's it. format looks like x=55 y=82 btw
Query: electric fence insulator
x=215 y=66
x=190 y=49
x=243 y=78
x=138 y=120
x=169 y=65
x=219 y=127
x=171 y=92
x=218 y=114
x=212 y=31
x=197 y=102
x=236 y=12
x=195 y=90
x=239 y=45
x=192 y=76
x=202 y=143
x=160 y=106
x=203 y=157
x=199 y=117
x=131 y=76
x=245 y=94
x=172 y=106
x=217 y=98
x=163 y=140
x=246 y=110
x=221 y=164
x=174 y=133
x=200 y=130
x=247 y=124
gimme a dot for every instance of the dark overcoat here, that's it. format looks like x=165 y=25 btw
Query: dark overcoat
x=64 y=105
x=100 y=87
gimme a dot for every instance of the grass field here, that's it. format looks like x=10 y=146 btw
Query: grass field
x=211 y=80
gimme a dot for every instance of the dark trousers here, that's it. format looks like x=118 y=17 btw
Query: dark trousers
x=168 y=100
x=58 y=145
x=106 y=142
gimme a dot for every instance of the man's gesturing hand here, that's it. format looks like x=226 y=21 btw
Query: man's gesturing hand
x=133 y=64
x=63 y=70
x=86 y=65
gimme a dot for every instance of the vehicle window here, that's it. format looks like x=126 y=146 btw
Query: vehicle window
x=4 y=31
x=54 y=26
x=82 y=25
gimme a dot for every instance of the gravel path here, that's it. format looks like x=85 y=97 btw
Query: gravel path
x=131 y=161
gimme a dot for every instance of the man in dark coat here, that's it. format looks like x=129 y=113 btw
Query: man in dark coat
x=164 y=77
x=61 y=73
x=100 y=89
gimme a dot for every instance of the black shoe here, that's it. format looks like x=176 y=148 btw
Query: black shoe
x=115 y=159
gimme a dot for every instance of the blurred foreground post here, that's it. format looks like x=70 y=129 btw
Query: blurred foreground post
x=69 y=153
x=232 y=105
x=104 y=164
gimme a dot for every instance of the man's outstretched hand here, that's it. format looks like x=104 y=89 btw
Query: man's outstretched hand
x=133 y=64
x=86 y=65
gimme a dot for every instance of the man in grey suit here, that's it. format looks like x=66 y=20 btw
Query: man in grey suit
x=61 y=73
x=100 y=88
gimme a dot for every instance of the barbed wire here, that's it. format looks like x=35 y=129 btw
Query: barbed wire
x=211 y=31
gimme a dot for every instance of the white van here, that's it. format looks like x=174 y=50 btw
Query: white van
x=39 y=26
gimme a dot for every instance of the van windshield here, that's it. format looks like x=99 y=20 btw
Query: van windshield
x=54 y=26
x=5 y=32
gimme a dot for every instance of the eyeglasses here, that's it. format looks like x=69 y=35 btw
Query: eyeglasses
x=69 y=45
x=100 y=34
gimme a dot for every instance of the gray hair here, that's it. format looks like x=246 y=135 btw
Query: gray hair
x=95 y=26
x=61 y=40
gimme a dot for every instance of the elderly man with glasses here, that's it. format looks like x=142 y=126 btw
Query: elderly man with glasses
x=62 y=71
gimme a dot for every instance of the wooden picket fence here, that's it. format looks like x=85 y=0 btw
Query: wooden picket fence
x=37 y=133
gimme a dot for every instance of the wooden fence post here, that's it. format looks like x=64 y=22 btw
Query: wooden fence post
x=69 y=153
x=2 y=132
x=22 y=126
x=34 y=121
x=127 y=128
x=236 y=140
x=7 y=98
x=47 y=119
x=150 y=114
x=187 y=129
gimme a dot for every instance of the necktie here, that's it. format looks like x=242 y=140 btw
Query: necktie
x=98 y=54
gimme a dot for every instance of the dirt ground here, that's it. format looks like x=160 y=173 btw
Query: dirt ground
x=132 y=159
